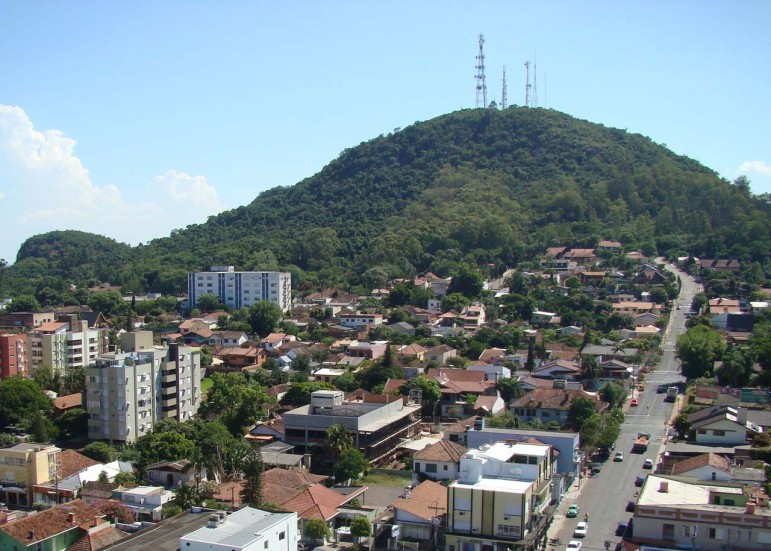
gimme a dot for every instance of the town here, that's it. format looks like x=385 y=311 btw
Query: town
x=594 y=398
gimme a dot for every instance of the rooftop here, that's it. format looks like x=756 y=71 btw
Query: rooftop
x=239 y=529
x=503 y=451
x=694 y=494
x=502 y=485
x=426 y=501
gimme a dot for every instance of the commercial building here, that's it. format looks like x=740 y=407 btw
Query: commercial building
x=684 y=513
x=240 y=289
x=128 y=392
x=376 y=422
x=13 y=355
x=501 y=499
x=247 y=529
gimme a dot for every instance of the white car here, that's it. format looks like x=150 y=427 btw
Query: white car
x=573 y=545
x=619 y=456
x=581 y=529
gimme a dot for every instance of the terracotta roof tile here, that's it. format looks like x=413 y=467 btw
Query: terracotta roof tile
x=73 y=462
x=443 y=450
x=68 y=401
x=554 y=398
x=711 y=459
x=426 y=501
x=50 y=522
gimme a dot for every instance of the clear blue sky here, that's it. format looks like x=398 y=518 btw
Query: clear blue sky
x=130 y=119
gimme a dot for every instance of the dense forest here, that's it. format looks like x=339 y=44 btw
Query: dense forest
x=485 y=187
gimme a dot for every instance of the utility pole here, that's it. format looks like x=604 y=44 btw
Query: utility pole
x=480 y=67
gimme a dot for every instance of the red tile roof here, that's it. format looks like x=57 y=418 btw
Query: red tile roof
x=444 y=450
x=554 y=398
x=68 y=401
x=73 y=462
x=427 y=501
x=50 y=522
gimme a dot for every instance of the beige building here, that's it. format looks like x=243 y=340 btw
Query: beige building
x=684 y=513
x=128 y=392
x=56 y=345
x=22 y=466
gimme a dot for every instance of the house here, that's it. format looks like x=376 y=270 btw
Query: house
x=633 y=307
x=327 y=374
x=728 y=265
x=240 y=358
x=604 y=352
x=611 y=246
x=193 y=326
x=172 y=474
x=542 y=319
x=559 y=369
x=678 y=513
x=198 y=337
x=67 y=402
x=356 y=320
x=440 y=354
x=268 y=431
x=488 y=405
x=146 y=502
x=706 y=466
x=439 y=461
x=375 y=422
x=582 y=256
x=367 y=350
x=725 y=426
x=275 y=340
x=513 y=481
x=411 y=352
x=403 y=328
x=724 y=306
x=26 y=320
x=420 y=514
x=570 y=330
x=614 y=371
x=492 y=372
x=228 y=338
x=645 y=318
x=474 y=314
x=54 y=529
x=456 y=386
x=530 y=383
x=551 y=404
x=247 y=529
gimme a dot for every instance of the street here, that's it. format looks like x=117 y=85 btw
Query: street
x=605 y=495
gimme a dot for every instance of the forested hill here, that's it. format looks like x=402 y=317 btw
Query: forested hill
x=481 y=186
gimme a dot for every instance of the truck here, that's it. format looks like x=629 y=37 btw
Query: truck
x=641 y=443
x=671 y=394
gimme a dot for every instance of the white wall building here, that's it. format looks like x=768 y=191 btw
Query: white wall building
x=247 y=529
x=62 y=348
x=241 y=289
x=128 y=392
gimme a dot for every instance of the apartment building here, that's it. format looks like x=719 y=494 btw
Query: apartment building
x=13 y=355
x=128 y=392
x=22 y=466
x=62 y=347
x=241 y=289
x=247 y=529
x=502 y=497
x=684 y=513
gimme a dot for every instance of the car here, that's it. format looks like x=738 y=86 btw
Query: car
x=573 y=511
x=634 y=402
x=581 y=529
x=619 y=456
x=621 y=528
x=639 y=481
x=661 y=389
x=629 y=506
x=648 y=464
x=573 y=545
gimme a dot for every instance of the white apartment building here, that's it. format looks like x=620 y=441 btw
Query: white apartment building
x=241 y=289
x=128 y=392
x=247 y=529
x=63 y=348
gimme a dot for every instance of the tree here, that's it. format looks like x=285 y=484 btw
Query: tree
x=590 y=369
x=165 y=446
x=504 y=419
x=580 y=410
x=737 y=367
x=236 y=401
x=73 y=423
x=299 y=394
x=361 y=528
x=612 y=394
x=697 y=349
x=209 y=303
x=351 y=465
x=509 y=388
x=317 y=530
x=187 y=496
x=24 y=303
x=41 y=428
x=467 y=281
x=99 y=451
x=455 y=301
x=106 y=302
x=338 y=439
x=430 y=391
x=252 y=467
x=263 y=317
x=21 y=398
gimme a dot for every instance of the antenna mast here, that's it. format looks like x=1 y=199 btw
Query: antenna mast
x=535 y=85
x=480 y=67
x=527 y=84
x=504 y=100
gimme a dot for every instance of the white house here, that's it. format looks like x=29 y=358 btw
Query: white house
x=147 y=502
x=419 y=513
x=492 y=372
x=439 y=461
x=707 y=466
x=247 y=529
x=725 y=426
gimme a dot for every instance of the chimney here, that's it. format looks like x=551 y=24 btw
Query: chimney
x=663 y=487
x=750 y=509
x=96 y=520
x=70 y=517
x=30 y=535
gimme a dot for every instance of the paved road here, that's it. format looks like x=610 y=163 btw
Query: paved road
x=605 y=495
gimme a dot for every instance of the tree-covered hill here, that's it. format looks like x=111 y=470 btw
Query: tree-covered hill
x=481 y=186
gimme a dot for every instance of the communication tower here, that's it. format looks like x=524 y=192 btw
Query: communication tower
x=480 y=67
x=504 y=100
x=527 y=84
x=534 y=102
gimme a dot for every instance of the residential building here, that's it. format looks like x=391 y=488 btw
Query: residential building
x=509 y=485
x=678 y=513
x=457 y=386
x=63 y=348
x=26 y=320
x=493 y=371
x=439 y=461
x=128 y=392
x=24 y=466
x=559 y=369
x=421 y=513
x=247 y=529
x=367 y=350
x=551 y=404
x=356 y=320
x=241 y=289
x=725 y=426
x=440 y=354
x=376 y=422
x=13 y=355
x=706 y=466
x=172 y=474
x=146 y=502
x=633 y=307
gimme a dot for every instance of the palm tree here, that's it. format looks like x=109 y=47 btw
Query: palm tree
x=338 y=439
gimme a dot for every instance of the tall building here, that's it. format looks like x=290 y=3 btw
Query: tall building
x=241 y=289
x=62 y=347
x=128 y=392
x=24 y=466
x=13 y=355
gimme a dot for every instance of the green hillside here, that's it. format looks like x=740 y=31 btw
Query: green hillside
x=481 y=186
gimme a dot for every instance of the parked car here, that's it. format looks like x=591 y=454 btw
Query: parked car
x=639 y=481
x=581 y=529
x=573 y=545
x=619 y=456
x=648 y=464
x=630 y=506
x=573 y=511
x=634 y=402
x=621 y=528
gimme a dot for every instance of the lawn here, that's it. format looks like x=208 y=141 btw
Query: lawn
x=386 y=479
x=206 y=384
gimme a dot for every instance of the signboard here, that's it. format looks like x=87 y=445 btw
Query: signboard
x=708 y=392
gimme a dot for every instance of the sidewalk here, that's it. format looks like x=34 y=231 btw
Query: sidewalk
x=559 y=519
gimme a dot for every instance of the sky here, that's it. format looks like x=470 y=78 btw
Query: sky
x=131 y=119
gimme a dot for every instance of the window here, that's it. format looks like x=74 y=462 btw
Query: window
x=281 y=535
x=668 y=531
x=702 y=431
x=445 y=467
x=717 y=432
x=716 y=533
x=430 y=467
x=508 y=530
